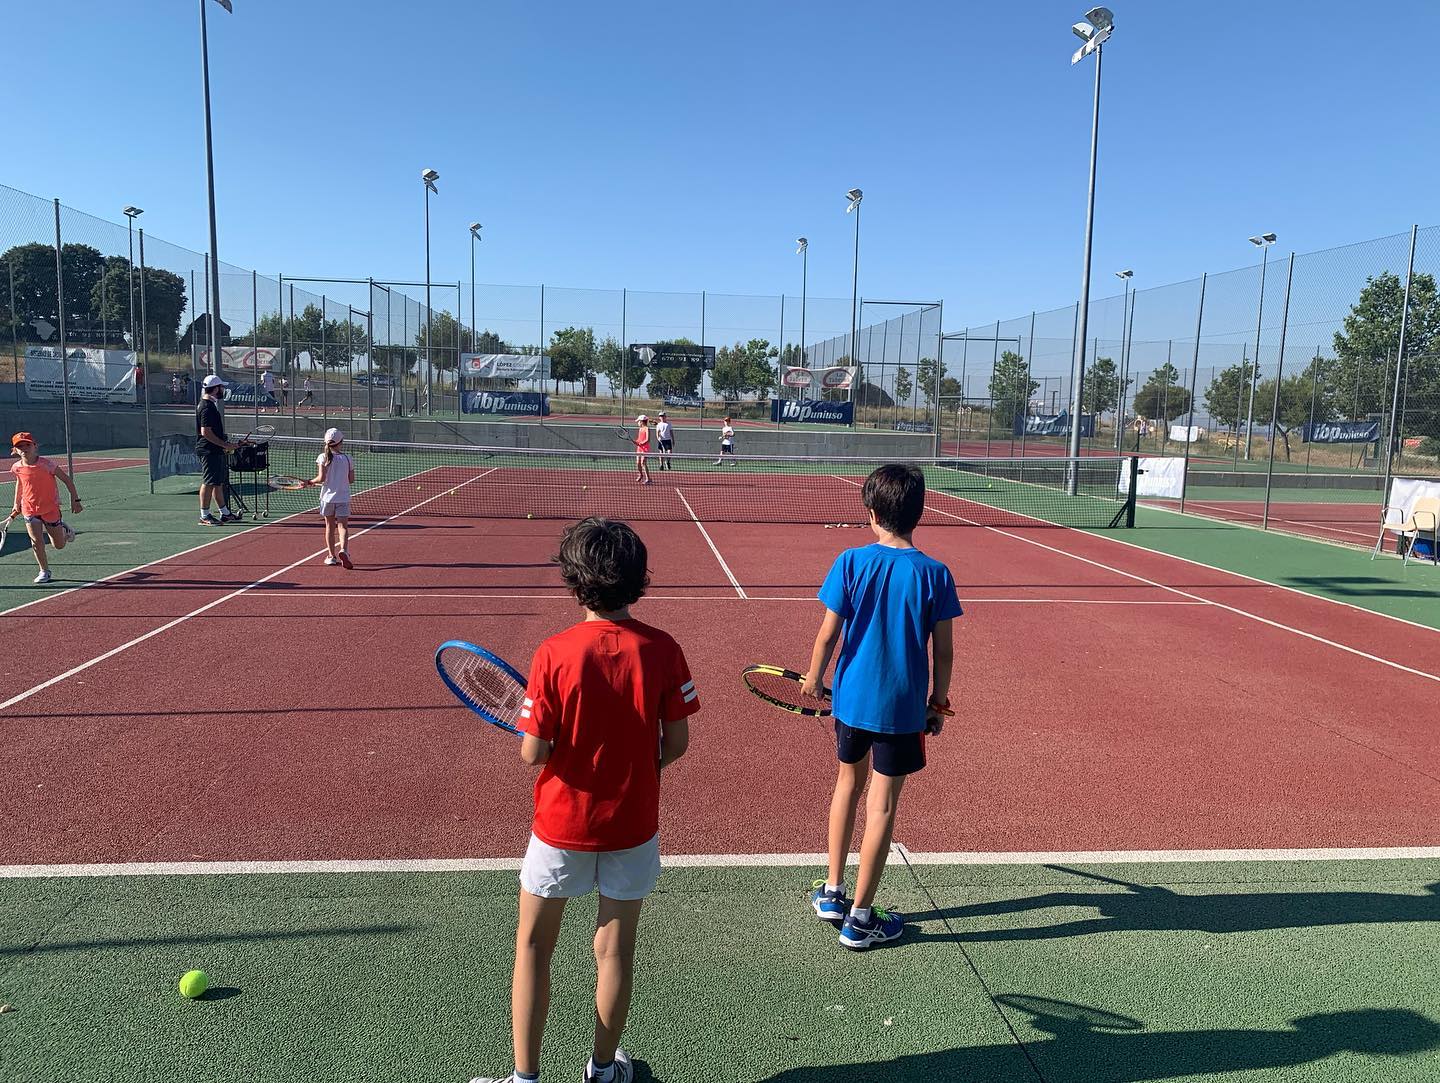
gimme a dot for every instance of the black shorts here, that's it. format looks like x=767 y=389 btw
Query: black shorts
x=667 y=445
x=890 y=754
x=214 y=468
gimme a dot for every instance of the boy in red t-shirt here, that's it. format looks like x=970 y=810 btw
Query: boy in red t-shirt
x=37 y=498
x=605 y=696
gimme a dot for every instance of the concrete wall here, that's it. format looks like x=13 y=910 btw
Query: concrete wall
x=103 y=429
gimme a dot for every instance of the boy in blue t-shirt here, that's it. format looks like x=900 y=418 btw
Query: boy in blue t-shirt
x=891 y=601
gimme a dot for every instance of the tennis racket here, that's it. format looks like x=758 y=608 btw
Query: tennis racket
x=288 y=483
x=262 y=432
x=625 y=434
x=484 y=682
x=781 y=688
x=5 y=533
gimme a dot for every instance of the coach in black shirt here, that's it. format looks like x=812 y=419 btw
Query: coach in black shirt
x=212 y=447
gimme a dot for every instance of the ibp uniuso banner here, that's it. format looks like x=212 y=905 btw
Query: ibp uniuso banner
x=245 y=394
x=173 y=455
x=1341 y=432
x=914 y=426
x=1053 y=424
x=835 y=413
x=684 y=402
x=511 y=403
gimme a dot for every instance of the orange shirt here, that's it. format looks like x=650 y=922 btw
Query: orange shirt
x=39 y=494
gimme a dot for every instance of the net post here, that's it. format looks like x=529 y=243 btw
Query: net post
x=1132 y=497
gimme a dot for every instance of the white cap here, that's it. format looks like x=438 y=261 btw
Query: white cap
x=214 y=381
x=661 y=414
x=642 y=417
x=334 y=436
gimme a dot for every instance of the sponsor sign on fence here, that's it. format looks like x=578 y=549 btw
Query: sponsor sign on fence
x=914 y=426
x=836 y=377
x=505 y=366
x=242 y=357
x=242 y=394
x=814 y=410
x=1053 y=424
x=172 y=455
x=684 y=402
x=1341 y=432
x=510 y=403
x=95 y=375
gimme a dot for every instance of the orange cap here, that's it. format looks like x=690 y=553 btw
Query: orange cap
x=21 y=438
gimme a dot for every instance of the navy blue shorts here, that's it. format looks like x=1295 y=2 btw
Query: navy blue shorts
x=892 y=754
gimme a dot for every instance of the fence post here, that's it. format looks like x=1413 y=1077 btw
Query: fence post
x=939 y=371
x=1275 y=400
x=624 y=350
x=145 y=360
x=64 y=356
x=1194 y=387
x=324 y=368
x=255 y=340
x=14 y=332
x=1396 y=430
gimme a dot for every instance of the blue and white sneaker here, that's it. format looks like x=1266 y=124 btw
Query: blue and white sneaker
x=831 y=906
x=622 y=1072
x=881 y=927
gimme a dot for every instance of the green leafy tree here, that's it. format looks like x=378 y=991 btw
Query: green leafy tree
x=449 y=337
x=904 y=387
x=1161 y=398
x=613 y=362
x=1362 y=377
x=488 y=341
x=1294 y=401
x=1228 y=396
x=1101 y=392
x=1010 y=389
x=572 y=355
x=950 y=388
x=684 y=380
x=33 y=268
x=164 y=299
x=925 y=378
x=744 y=369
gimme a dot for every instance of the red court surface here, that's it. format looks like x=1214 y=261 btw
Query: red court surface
x=245 y=702
x=85 y=466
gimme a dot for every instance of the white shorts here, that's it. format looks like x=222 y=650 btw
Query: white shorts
x=334 y=509
x=568 y=874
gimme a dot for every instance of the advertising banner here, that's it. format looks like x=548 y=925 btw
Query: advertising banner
x=95 y=375
x=509 y=403
x=812 y=410
x=505 y=366
x=172 y=455
x=1053 y=424
x=1341 y=432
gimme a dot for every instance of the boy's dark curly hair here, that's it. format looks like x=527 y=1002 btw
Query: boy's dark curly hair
x=604 y=563
x=896 y=494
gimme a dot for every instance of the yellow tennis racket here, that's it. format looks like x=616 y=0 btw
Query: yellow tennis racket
x=780 y=687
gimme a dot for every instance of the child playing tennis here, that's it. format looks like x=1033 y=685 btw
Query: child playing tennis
x=892 y=602
x=727 y=442
x=603 y=697
x=37 y=498
x=642 y=450
x=335 y=473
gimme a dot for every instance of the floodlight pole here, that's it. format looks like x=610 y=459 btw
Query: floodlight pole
x=1395 y=438
x=214 y=297
x=1255 y=368
x=855 y=290
x=429 y=343
x=1072 y=484
x=130 y=215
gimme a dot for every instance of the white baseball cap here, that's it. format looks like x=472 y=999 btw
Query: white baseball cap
x=334 y=436
x=214 y=381
x=661 y=414
x=642 y=417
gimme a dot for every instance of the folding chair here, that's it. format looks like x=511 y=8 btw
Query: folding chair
x=1424 y=518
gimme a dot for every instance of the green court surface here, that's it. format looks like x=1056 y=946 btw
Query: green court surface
x=1283 y=972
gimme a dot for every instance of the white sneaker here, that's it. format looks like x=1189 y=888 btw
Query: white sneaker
x=331 y=561
x=43 y=577
x=69 y=531
x=624 y=1070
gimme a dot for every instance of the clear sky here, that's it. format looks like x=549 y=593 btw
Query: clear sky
x=679 y=146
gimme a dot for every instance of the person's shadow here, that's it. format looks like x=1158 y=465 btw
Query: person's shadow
x=1143 y=907
x=1088 y=1046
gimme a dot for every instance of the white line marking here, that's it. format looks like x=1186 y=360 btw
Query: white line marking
x=706 y=534
x=1224 y=512
x=21 y=697
x=1186 y=594
x=720 y=861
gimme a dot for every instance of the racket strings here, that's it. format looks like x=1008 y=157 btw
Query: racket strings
x=489 y=686
x=786 y=690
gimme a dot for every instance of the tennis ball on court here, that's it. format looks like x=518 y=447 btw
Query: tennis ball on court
x=529 y=515
x=417 y=488
x=194 y=983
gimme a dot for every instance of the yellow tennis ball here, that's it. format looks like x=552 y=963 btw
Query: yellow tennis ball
x=194 y=983
x=417 y=488
x=529 y=515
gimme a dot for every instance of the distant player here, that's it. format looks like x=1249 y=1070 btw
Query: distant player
x=891 y=601
x=608 y=705
x=642 y=450
x=727 y=443
x=335 y=474
x=665 y=437
x=37 y=498
x=309 y=396
x=267 y=387
x=284 y=393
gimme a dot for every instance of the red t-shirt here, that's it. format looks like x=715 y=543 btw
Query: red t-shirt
x=39 y=494
x=599 y=691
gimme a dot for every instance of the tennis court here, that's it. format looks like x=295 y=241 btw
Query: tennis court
x=1171 y=796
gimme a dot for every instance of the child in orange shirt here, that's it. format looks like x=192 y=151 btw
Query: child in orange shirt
x=37 y=498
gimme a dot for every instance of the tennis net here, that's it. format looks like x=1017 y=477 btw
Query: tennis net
x=487 y=482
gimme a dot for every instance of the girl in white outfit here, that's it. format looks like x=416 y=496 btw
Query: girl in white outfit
x=335 y=473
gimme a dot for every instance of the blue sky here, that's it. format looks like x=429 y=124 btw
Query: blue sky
x=683 y=147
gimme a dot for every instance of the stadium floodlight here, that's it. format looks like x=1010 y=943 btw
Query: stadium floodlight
x=1095 y=31
x=133 y=212
x=804 y=243
x=1124 y=274
x=1263 y=242
x=803 y=251
x=429 y=176
x=475 y=228
x=854 y=196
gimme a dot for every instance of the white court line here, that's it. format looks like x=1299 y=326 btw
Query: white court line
x=532 y=596
x=1222 y=512
x=719 y=861
x=706 y=534
x=113 y=651
x=1186 y=594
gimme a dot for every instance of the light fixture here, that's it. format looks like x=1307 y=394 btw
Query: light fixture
x=1265 y=240
x=133 y=212
x=475 y=228
x=1124 y=274
x=1099 y=24
x=803 y=243
x=430 y=177
x=854 y=196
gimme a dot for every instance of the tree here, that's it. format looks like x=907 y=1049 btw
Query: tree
x=1101 y=391
x=1362 y=376
x=1161 y=398
x=684 y=380
x=925 y=378
x=1295 y=401
x=33 y=268
x=950 y=388
x=1228 y=396
x=488 y=341
x=744 y=369
x=164 y=297
x=620 y=370
x=903 y=386
x=449 y=337
x=1010 y=389
x=572 y=355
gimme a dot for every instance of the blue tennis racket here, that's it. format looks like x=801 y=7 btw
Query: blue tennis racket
x=484 y=682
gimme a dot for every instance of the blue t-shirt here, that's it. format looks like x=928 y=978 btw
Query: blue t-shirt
x=890 y=599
